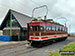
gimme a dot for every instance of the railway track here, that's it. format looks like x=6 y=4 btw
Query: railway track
x=31 y=50
x=16 y=49
x=9 y=46
x=27 y=51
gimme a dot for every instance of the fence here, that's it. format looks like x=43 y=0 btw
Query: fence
x=4 y=37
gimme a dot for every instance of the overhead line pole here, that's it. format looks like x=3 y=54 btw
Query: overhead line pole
x=63 y=18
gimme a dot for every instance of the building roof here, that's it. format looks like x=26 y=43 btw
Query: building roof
x=21 y=18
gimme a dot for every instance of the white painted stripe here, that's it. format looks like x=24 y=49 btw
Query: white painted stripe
x=50 y=36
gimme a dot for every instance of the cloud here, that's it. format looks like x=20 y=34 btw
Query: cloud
x=57 y=8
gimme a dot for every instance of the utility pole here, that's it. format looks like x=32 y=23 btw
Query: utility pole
x=10 y=24
x=63 y=18
x=69 y=28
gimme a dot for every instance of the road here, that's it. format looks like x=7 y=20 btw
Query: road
x=30 y=51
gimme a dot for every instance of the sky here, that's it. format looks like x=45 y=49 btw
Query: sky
x=62 y=11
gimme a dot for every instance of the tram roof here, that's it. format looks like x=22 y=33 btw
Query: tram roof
x=48 y=21
x=44 y=23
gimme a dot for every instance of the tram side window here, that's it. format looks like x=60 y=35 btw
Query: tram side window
x=65 y=30
x=49 y=27
x=56 y=28
x=61 y=29
x=41 y=28
x=53 y=28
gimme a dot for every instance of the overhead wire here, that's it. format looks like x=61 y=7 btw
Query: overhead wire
x=35 y=3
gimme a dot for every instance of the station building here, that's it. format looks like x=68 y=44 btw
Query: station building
x=19 y=25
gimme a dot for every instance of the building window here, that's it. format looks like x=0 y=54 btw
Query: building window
x=14 y=22
x=8 y=23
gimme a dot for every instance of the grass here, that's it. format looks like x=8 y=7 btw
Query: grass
x=69 y=47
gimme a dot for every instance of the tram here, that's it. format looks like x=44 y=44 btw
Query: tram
x=41 y=32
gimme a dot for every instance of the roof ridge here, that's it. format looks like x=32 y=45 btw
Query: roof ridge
x=19 y=13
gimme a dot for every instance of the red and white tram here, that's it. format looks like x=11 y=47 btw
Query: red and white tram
x=41 y=33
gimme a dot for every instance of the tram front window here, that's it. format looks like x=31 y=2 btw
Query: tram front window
x=34 y=28
x=31 y=28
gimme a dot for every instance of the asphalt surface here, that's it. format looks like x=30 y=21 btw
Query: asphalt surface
x=30 y=51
